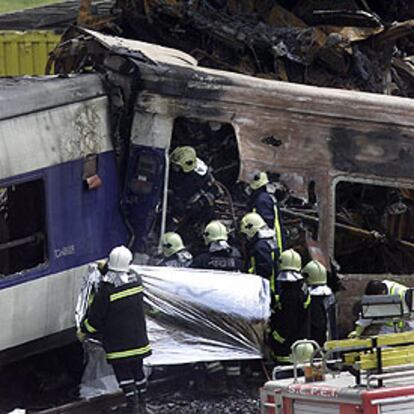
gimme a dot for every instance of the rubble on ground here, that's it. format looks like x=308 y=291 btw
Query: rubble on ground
x=238 y=401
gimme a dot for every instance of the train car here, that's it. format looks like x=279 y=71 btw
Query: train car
x=66 y=199
x=345 y=157
x=58 y=201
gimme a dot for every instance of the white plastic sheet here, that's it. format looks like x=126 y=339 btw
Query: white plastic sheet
x=203 y=315
x=198 y=315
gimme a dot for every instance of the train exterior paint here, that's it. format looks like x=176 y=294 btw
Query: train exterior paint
x=44 y=147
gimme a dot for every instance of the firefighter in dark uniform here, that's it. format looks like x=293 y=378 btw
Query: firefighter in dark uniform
x=262 y=250
x=193 y=188
x=220 y=255
x=174 y=252
x=322 y=310
x=264 y=202
x=124 y=336
x=289 y=307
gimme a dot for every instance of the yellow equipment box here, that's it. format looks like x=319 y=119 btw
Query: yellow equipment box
x=25 y=53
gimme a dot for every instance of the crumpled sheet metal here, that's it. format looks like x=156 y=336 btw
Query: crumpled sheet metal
x=198 y=315
x=203 y=315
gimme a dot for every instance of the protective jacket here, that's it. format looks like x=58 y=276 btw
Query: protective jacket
x=263 y=254
x=182 y=258
x=394 y=288
x=117 y=312
x=220 y=256
x=289 y=317
x=322 y=314
x=367 y=327
x=265 y=204
x=194 y=192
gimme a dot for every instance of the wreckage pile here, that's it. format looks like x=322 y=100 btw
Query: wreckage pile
x=352 y=44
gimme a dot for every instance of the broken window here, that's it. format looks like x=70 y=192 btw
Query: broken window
x=374 y=229
x=22 y=227
x=216 y=144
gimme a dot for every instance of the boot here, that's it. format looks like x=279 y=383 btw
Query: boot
x=132 y=405
x=143 y=407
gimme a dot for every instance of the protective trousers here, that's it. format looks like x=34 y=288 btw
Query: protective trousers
x=131 y=379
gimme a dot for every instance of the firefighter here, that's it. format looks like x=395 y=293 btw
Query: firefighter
x=220 y=255
x=264 y=202
x=290 y=303
x=193 y=187
x=365 y=327
x=174 y=252
x=124 y=337
x=387 y=287
x=262 y=250
x=322 y=310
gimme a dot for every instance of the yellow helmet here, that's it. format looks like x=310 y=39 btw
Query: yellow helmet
x=259 y=180
x=290 y=260
x=250 y=224
x=171 y=243
x=303 y=352
x=215 y=231
x=184 y=157
x=314 y=273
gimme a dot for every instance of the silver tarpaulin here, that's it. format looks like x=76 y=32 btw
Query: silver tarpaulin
x=203 y=315
x=199 y=315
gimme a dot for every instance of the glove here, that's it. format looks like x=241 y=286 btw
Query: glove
x=357 y=332
x=352 y=335
x=80 y=335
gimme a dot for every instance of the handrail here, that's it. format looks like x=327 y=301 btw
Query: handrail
x=388 y=375
x=24 y=240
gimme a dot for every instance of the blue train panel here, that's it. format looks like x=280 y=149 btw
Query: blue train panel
x=63 y=223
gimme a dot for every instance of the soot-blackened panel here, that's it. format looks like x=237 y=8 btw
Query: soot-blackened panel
x=383 y=153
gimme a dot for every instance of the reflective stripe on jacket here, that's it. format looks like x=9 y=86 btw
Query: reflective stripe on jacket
x=117 y=313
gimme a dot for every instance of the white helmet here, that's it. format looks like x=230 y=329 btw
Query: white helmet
x=119 y=259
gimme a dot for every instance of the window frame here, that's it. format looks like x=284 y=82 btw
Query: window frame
x=15 y=181
x=390 y=182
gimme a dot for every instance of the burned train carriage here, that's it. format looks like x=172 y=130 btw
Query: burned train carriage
x=84 y=170
x=344 y=158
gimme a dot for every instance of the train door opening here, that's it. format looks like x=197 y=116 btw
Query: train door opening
x=215 y=144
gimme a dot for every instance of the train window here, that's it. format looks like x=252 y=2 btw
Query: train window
x=22 y=227
x=374 y=231
x=215 y=143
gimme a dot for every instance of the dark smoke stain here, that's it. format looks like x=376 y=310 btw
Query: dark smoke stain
x=384 y=153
